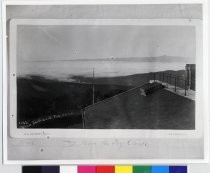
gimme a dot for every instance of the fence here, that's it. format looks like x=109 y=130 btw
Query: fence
x=174 y=80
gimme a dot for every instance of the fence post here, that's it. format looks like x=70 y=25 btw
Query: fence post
x=177 y=81
x=185 y=88
x=175 y=84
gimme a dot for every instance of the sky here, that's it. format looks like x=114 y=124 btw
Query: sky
x=46 y=43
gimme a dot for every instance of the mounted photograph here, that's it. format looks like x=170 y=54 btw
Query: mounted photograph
x=105 y=76
x=126 y=78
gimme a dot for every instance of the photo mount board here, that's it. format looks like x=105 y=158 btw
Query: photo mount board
x=6 y=76
x=106 y=133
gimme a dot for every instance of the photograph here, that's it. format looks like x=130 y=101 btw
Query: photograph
x=104 y=83
x=106 y=76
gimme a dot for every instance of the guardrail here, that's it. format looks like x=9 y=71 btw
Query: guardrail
x=175 y=80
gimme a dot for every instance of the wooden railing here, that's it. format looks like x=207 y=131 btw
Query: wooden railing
x=174 y=80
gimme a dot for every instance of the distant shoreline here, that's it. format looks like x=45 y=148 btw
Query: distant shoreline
x=88 y=79
x=163 y=58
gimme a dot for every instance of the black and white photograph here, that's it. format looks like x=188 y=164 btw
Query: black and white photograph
x=85 y=81
x=106 y=76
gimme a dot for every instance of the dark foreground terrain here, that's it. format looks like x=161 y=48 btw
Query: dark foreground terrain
x=47 y=103
x=131 y=110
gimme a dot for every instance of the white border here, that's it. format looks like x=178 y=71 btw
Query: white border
x=105 y=133
x=61 y=2
x=98 y=2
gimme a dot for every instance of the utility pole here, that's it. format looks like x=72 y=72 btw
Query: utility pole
x=93 y=87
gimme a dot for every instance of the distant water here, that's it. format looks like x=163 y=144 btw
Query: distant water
x=63 y=70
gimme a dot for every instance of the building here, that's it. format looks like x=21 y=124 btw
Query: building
x=190 y=76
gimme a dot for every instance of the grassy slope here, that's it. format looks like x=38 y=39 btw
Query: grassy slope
x=40 y=97
x=160 y=110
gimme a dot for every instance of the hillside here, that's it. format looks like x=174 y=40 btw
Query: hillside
x=38 y=98
x=159 y=110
